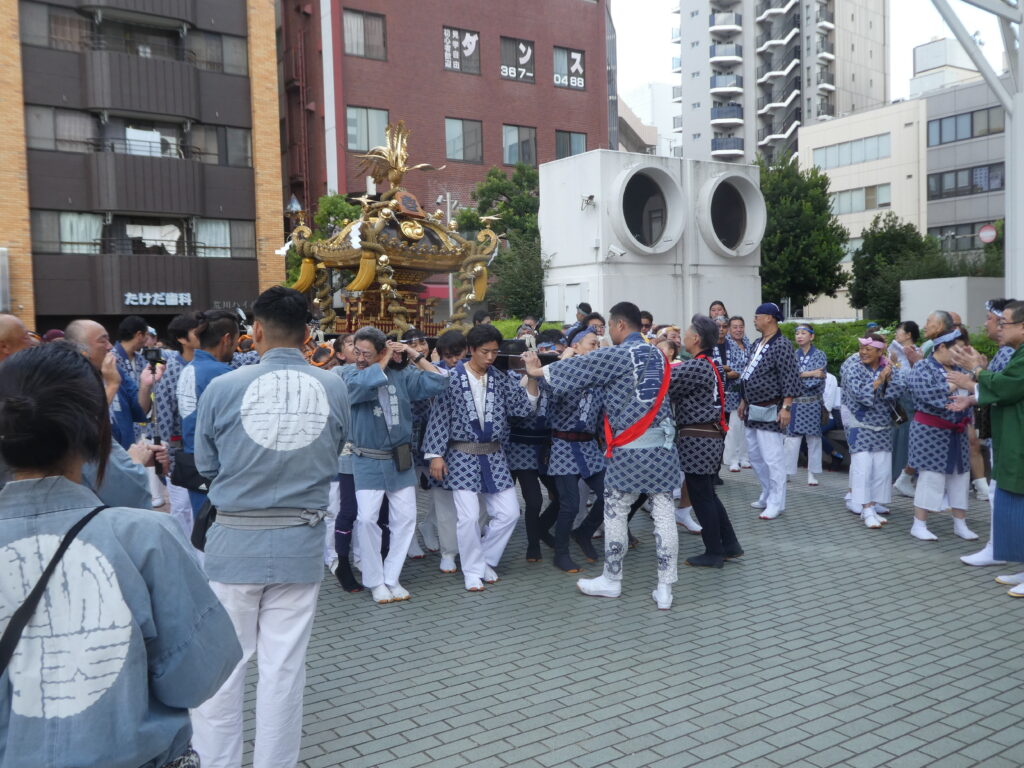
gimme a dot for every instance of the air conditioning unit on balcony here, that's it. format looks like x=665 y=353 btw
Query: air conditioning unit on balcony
x=668 y=233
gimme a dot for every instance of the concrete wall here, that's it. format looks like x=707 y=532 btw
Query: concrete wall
x=964 y=295
x=862 y=55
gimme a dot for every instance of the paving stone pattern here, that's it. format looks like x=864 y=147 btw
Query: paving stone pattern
x=826 y=644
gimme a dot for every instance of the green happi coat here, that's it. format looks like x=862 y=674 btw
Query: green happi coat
x=1004 y=391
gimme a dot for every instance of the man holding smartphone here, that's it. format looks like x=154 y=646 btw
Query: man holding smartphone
x=381 y=392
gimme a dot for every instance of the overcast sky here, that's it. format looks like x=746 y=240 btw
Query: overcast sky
x=645 y=50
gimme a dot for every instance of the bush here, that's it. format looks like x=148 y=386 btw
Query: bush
x=509 y=326
x=839 y=340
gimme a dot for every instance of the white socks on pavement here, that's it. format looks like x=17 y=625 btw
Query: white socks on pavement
x=919 y=530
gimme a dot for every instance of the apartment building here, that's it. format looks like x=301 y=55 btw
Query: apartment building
x=752 y=72
x=145 y=135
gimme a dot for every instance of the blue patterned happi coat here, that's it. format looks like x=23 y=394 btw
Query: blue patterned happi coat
x=806 y=418
x=935 y=449
x=453 y=417
x=871 y=428
x=577 y=411
x=629 y=376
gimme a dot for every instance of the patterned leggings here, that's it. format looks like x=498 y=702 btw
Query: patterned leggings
x=666 y=540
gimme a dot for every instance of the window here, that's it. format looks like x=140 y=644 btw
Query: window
x=365 y=127
x=863 y=150
x=958 y=237
x=243 y=239
x=64 y=130
x=569 y=72
x=213 y=238
x=68 y=31
x=966 y=181
x=464 y=140
x=364 y=35
x=461 y=50
x=219 y=53
x=219 y=145
x=967 y=125
x=239 y=147
x=568 y=144
x=517 y=60
x=203 y=144
x=34 y=21
x=861 y=199
x=519 y=145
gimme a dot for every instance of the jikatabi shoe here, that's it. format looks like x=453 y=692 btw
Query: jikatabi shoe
x=585 y=545
x=663 y=596
x=347 y=580
x=734 y=467
x=398 y=592
x=871 y=520
x=565 y=563
x=706 y=560
x=448 y=564
x=533 y=553
x=982 y=558
x=599 y=587
x=382 y=595
x=759 y=504
x=1017 y=591
x=770 y=513
x=732 y=554
x=1011 y=580
x=490 y=577
x=473 y=584
x=745 y=464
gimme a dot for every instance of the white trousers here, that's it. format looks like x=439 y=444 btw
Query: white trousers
x=503 y=511
x=936 y=491
x=333 y=503
x=767 y=457
x=446 y=519
x=274 y=621
x=813 y=453
x=401 y=521
x=180 y=507
x=870 y=477
x=735 y=441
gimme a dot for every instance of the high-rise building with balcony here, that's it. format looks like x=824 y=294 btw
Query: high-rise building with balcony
x=141 y=168
x=752 y=71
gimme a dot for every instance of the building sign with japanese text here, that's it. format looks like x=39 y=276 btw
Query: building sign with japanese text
x=569 y=69
x=158 y=299
x=517 y=60
x=461 y=50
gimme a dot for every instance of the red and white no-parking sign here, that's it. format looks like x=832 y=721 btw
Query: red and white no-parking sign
x=987 y=234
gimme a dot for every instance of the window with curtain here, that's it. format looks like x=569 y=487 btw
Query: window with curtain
x=243 y=239
x=69 y=31
x=80 y=232
x=519 y=145
x=239 y=147
x=464 y=140
x=365 y=127
x=236 y=55
x=569 y=69
x=213 y=238
x=364 y=35
x=207 y=50
x=203 y=144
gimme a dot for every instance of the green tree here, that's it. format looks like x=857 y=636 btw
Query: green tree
x=992 y=253
x=803 y=242
x=518 y=286
x=331 y=212
x=892 y=250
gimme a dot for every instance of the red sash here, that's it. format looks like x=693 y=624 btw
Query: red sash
x=723 y=420
x=930 y=420
x=632 y=432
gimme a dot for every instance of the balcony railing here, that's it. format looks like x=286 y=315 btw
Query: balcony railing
x=726 y=144
x=727 y=81
x=826 y=108
x=677 y=92
x=133 y=246
x=824 y=46
x=826 y=16
x=723 y=50
x=729 y=112
x=725 y=20
x=677 y=121
x=826 y=78
x=675 y=35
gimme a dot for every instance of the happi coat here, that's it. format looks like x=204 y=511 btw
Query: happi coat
x=576 y=411
x=770 y=375
x=529 y=437
x=127 y=636
x=268 y=437
x=806 y=415
x=736 y=358
x=629 y=376
x=382 y=417
x=869 y=428
x=454 y=418
x=933 y=448
x=695 y=400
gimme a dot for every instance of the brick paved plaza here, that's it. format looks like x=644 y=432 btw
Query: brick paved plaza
x=827 y=644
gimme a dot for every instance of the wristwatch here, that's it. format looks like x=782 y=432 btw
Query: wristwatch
x=787 y=407
x=418 y=358
x=975 y=372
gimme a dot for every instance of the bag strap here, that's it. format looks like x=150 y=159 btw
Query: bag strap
x=632 y=432
x=20 y=618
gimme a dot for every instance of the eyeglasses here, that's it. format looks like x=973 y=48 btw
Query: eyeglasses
x=1004 y=323
x=361 y=353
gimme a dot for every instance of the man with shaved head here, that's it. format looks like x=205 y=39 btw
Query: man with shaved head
x=14 y=336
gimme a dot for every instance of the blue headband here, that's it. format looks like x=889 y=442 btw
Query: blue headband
x=583 y=332
x=951 y=336
x=807 y=328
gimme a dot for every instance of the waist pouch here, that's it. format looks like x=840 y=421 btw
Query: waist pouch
x=185 y=474
x=400 y=455
x=763 y=413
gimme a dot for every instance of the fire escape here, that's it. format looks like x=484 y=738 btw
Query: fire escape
x=298 y=107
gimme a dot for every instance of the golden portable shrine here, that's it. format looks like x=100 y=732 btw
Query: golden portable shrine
x=393 y=247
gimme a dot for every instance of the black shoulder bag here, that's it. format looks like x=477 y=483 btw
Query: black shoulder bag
x=20 y=618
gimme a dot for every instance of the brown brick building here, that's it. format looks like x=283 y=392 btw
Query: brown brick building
x=479 y=84
x=141 y=157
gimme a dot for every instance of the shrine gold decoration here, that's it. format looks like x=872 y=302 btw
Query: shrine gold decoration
x=394 y=245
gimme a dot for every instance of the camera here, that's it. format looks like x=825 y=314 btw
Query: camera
x=153 y=355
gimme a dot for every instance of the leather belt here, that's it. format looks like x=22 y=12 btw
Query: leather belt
x=475 y=449
x=574 y=437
